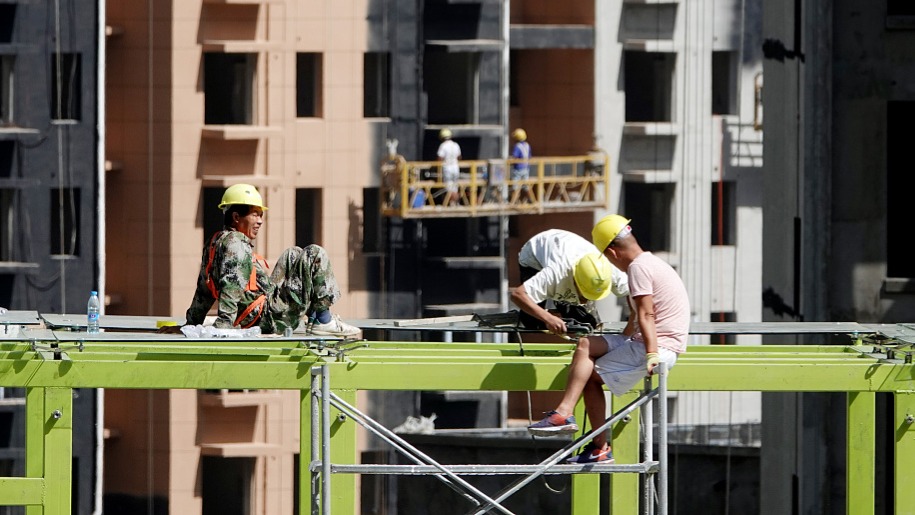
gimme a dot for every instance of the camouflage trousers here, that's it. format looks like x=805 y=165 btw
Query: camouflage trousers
x=303 y=282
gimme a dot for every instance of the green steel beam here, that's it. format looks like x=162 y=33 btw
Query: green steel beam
x=304 y=459
x=34 y=441
x=624 y=488
x=286 y=364
x=343 y=487
x=517 y=374
x=21 y=491
x=904 y=451
x=859 y=456
x=585 y=487
x=58 y=455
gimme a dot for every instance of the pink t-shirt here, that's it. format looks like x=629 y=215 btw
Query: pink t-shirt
x=650 y=275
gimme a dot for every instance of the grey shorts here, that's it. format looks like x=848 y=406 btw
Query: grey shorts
x=623 y=366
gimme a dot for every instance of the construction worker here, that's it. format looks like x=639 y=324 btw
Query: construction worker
x=521 y=151
x=563 y=267
x=301 y=287
x=656 y=333
x=449 y=153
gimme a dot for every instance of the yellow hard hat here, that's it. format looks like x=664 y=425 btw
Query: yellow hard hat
x=444 y=134
x=593 y=276
x=607 y=229
x=519 y=135
x=242 y=194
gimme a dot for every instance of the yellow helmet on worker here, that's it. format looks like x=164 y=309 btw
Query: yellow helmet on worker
x=519 y=135
x=444 y=134
x=607 y=229
x=593 y=276
x=242 y=194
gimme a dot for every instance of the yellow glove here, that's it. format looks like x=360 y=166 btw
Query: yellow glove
x=652 y=360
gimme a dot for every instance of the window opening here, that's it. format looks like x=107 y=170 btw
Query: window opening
x=7 y=151
x=65 y=221
x=649 y=206
x=228 y=88
x=307 y=216
x=900 y=181
x=7 y=22
x=377 y=88
x=226 y=485
x=212 y=216
x=7 y=223
x=6 y=89
x=723 y=339
x=649 y=80
x=66 y=86
x=724 y=82
x=452 y=84
x=724 y=213
x=308 y=85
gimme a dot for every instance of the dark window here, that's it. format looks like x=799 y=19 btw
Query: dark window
x=452 y=83
x=212 y=215
x=371 y=220
x=7 y=283
x=226 y=485
x=7 y=22
x=900 y=182
x=724 y=82
x=377 y=89
x=7 y=151
x=65 y=221
x=723 y=339
x=900 y=8
x=8 y=223
x=66 y=85
x=648 y=205
x=649 y=86
x=514 y=79
x=307 y=216
x=724 y=213
x=308 y=83
x=6 y=89
x=228 y=88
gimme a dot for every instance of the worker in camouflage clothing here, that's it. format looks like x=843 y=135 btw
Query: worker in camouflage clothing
x=301 y=286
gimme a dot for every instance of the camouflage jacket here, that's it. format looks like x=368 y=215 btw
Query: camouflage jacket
x=233 y=258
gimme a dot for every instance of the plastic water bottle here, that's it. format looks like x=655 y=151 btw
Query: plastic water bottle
x=92 y=309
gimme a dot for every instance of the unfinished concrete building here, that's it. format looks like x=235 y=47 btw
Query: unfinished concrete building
x=303 y=99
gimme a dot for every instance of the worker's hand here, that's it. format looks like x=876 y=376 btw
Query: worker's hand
x=652 y=360
x=555 y=325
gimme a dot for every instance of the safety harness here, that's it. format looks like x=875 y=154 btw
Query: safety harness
x=251 y=286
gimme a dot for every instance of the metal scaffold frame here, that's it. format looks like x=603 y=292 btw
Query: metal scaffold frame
x=649 y=400
x=49 y=364
x=486 y=188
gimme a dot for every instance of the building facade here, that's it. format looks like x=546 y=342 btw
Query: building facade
x=303 y=98
x=51 y=233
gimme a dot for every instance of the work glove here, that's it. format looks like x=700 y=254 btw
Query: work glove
x=652 y=360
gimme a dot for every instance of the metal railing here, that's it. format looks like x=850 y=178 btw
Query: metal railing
x=496 y=186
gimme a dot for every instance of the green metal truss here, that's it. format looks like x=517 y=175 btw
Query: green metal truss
x=51 y=366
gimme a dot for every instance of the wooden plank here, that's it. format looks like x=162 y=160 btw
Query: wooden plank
x=19 y=317
x=433 y=320
x=120 y=322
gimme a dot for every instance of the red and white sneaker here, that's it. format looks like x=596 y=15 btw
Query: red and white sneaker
x=591 y=454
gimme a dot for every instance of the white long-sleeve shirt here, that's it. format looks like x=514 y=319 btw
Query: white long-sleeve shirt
x=555 y=253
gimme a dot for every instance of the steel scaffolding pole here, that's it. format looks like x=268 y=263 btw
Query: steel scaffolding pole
x=450 y=474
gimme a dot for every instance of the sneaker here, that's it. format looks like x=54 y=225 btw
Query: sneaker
x=591 y=454
x=553 y=424
x=335 y=327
